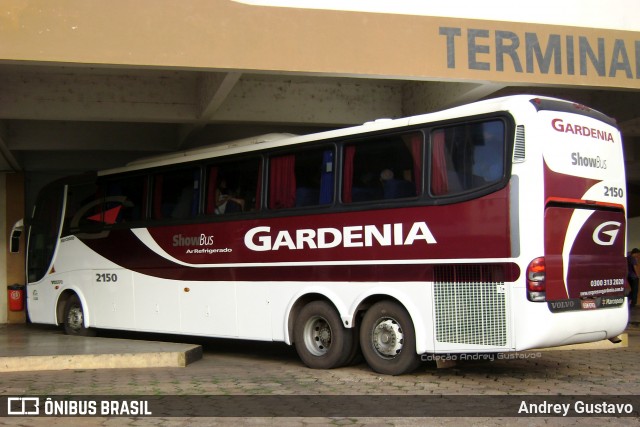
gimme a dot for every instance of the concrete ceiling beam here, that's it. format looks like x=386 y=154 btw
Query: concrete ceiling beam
x=299 y=100
x=35 y=135
x=213 y=90
x=424 y=97
x=154 y=96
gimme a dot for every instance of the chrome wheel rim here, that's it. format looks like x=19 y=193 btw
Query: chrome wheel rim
x=387 y=338
x=317 y=336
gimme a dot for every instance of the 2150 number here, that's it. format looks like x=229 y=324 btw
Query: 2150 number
x=106 y=277
x=613 y=192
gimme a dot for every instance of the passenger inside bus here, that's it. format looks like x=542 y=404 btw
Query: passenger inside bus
x=394 y=188
x=383 y=168
x=226 y=200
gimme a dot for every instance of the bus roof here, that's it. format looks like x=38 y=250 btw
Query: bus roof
x=274 y=140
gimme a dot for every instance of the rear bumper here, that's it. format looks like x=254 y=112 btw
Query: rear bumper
x=572 y=327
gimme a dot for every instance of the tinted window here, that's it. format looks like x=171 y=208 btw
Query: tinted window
x=301 y=179
x=84 y=208
x=176 y=194
x=467 y=157
x=125 y=199
x=43 y=233
x=233 y=187
x=383 y=168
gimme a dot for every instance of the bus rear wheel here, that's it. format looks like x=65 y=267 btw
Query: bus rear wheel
x=388 y=339
x=74 y=318
x=319 y=337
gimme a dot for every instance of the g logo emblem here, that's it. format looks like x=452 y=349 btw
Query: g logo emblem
x=612 y=233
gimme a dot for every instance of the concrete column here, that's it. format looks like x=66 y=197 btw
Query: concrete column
x=12 y=265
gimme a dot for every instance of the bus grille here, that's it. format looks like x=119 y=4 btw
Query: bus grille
x=470 y=306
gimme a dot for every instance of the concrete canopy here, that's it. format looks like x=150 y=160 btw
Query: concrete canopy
x=90 y=85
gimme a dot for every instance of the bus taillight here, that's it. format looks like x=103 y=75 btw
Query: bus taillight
x=536 y=283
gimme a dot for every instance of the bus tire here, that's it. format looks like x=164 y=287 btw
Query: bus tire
x=355 y=356
x=319 y=337
x=388 y=339
x=74 y=318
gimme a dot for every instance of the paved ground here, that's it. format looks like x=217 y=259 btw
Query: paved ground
x=231 y=368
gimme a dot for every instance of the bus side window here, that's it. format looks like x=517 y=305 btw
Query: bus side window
x=233 y=187
x=125 y=199
x=301 y=179
x=385 y=168
x=467 y=157
x=84 y=209
x=176 y=194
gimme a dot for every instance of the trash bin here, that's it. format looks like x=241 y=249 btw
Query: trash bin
x=16 y=297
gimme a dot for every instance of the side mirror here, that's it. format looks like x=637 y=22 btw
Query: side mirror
x=16 y=232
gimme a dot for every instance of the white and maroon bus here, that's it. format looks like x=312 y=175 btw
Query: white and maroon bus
x=491 y=227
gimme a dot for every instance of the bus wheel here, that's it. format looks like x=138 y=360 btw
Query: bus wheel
x=320 y=339
x=388 y=339
x=74 y=318
x=355 y=356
